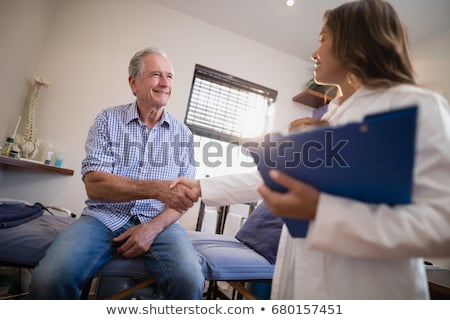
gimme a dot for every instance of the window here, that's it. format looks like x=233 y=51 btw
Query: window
x=227 y=108
x=224 y=111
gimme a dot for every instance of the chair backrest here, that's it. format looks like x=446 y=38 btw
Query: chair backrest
x=220 y=216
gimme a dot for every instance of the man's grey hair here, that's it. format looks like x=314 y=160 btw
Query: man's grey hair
x=135 y=67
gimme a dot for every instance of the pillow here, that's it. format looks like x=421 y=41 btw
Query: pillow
x=14 y=213
x=261 y=232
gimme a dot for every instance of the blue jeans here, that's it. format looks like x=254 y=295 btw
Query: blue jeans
x=86 y=245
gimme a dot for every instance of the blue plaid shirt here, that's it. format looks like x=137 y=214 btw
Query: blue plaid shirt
x=119 y=143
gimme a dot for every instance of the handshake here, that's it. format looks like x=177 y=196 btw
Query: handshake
x=180 y=194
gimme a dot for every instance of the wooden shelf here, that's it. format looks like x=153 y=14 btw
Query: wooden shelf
x=438 y=282
x=312 y=98
x=21 y=163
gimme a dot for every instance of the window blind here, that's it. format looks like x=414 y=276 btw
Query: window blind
x=227 y=108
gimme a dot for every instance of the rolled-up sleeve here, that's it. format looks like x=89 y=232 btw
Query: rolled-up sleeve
x=99 y=155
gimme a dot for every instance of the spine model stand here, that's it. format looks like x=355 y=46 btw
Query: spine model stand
x=29 y=145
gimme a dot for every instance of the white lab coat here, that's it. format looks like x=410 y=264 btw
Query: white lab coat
x=354 y=250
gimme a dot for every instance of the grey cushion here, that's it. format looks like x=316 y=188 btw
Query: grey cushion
x=123 y=267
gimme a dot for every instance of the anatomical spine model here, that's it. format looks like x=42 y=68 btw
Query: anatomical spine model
x=29 y=144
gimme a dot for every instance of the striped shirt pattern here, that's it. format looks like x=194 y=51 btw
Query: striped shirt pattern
x=119 y=143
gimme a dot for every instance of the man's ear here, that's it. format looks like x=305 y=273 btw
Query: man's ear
x=132 y=83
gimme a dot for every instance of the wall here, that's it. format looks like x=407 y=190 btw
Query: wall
x=432 y=64
x=85 y=56
x=24 y=26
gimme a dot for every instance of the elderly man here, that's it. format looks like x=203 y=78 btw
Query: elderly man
x=133 y=151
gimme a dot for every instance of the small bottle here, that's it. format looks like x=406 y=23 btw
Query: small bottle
x=7 y=146
x=59 y=158
x=48 y=154
x=14 y=154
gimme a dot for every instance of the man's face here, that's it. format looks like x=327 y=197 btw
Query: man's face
x=154 y=87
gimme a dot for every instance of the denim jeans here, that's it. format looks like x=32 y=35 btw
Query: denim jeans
x=86 y=245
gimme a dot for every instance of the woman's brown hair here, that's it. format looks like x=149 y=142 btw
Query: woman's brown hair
x=371 y=41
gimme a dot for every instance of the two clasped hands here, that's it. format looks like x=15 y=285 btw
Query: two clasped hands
x=300 y=201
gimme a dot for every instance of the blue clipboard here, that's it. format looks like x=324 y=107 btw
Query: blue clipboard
x=370 y=161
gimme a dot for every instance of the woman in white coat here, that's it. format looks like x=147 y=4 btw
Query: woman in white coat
x=356 y=250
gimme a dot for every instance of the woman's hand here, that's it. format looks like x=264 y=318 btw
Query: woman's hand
x=304 y=124
x=300 y=201
x=192 y=184
x=179 y=197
